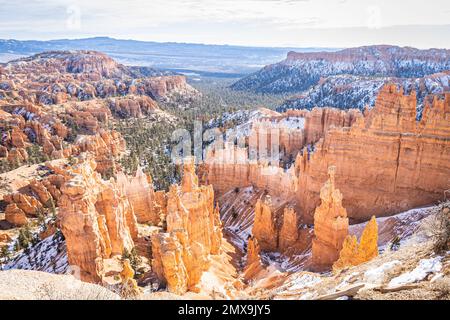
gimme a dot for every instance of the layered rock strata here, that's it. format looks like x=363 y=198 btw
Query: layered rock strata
x=386 y=162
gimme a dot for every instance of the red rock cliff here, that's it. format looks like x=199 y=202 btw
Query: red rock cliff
x=387 y=162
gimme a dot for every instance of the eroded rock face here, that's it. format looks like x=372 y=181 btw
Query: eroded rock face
x=96 y=219
x=387 y=162
x=140 y=193
x=294 y=130
x=193 y=233
x=330 y=225
x=264 y=228
x=289 y=233
x=15 y=215
x=353 y=254
x=133 y=106
x=253 y=263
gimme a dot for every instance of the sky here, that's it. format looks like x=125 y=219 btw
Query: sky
x=285 y=23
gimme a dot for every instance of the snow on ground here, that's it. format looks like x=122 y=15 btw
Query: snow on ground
x=424 y=268
x=305 y=280
x=377 y=275
x=49 y=255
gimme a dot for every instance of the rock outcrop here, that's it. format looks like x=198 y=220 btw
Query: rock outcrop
x=96 y=219
x=386 y=162
x=290 y=132
x=353 y=254
x=193 y=233
x=289 y=233
x=253 y=263
x=140 y=193
x=133 y=106
x=330 y=226
x=15 y=215
x=264 y=227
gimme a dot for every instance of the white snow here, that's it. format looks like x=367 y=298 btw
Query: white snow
x=304 y=281
x=425 y=267
x=376 y=276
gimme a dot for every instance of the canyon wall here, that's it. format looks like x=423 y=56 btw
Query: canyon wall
x=386 y=162
x=231 y=166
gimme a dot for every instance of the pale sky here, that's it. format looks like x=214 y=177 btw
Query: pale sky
x=296 y=23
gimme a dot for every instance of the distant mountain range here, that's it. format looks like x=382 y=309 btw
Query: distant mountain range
x=300 y=70
x=195 y=59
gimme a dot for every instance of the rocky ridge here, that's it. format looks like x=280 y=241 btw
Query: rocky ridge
x=299 y=71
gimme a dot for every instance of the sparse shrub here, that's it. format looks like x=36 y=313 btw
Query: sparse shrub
x=4 y=252
x=25 y=239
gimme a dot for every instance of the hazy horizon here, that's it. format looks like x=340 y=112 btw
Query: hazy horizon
x=254 y=23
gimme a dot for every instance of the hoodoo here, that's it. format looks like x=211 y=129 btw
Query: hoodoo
x=181 y=253
x=330 y=225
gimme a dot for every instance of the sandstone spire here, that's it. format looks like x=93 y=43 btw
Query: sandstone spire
x=264 y=229
x=140 y=193
x=193 y=232
x=353 y=254
x=97 y=221
x=289 y=230
x=253 y=263
x=330 y=225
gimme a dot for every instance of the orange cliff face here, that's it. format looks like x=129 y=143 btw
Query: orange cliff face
x=330 y=226
x=277 y=229
x=140 y=193
x=97 y=221
x=386 y=163
x=193 y=233
x=232 y=167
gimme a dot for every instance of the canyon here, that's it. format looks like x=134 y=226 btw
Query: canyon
x=386 y=162
x=301 y=205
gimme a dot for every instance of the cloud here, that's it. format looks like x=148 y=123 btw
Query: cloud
x=219 y=21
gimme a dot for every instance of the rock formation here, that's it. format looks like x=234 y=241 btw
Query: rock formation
x=253 y=264
x=140 y=193
x=353 y=254
x=193 y=233
x=15 y=215
x=96 y=219
x=292 y=131
x=330 y=225
x=386 y=162
x=289 y=233
x=264 y=228
x=375 y=155
x=133 y=106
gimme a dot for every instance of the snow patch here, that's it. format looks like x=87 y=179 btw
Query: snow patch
x=424 y=268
